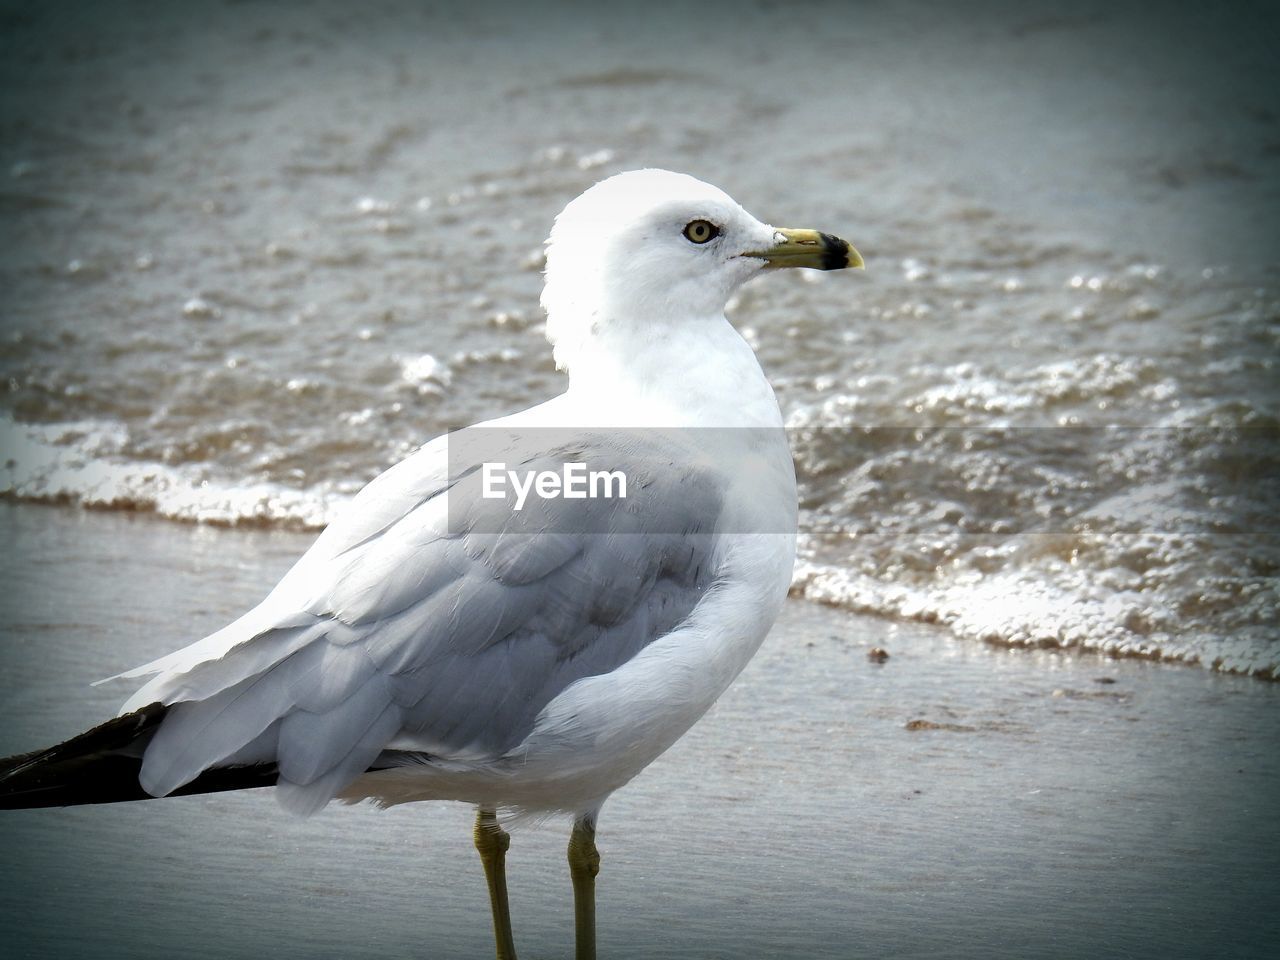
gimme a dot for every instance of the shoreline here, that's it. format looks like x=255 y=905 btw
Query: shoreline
x=810 y=585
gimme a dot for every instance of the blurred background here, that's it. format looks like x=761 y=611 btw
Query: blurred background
x=254 y=253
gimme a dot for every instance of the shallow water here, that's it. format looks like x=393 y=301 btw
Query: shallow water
x=953 y=801
x=255 y=254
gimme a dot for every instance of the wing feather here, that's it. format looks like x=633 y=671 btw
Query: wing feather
x=449 y=625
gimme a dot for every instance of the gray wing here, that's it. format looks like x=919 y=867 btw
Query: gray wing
x=450 y=629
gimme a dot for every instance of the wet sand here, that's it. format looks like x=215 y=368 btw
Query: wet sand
x=953 y=801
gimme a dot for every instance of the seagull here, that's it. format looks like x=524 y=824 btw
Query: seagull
x=447 y=638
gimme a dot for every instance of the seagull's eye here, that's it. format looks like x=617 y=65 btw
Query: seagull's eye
x=700 y=231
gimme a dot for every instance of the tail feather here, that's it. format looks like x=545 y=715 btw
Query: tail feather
x=101 y=766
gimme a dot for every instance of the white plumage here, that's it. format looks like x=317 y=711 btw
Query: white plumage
x=396 y=633
x=534 y=656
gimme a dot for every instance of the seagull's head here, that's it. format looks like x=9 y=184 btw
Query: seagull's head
x=648 y=249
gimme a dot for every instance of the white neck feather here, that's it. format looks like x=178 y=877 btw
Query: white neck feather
x=698 y=372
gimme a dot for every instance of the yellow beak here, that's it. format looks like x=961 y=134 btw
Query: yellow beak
x=809 y=248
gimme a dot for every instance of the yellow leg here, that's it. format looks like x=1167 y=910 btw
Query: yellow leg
x=492 y=842
x=584 y=864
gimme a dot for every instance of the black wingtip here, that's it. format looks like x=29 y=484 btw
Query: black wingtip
x=102 y=765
